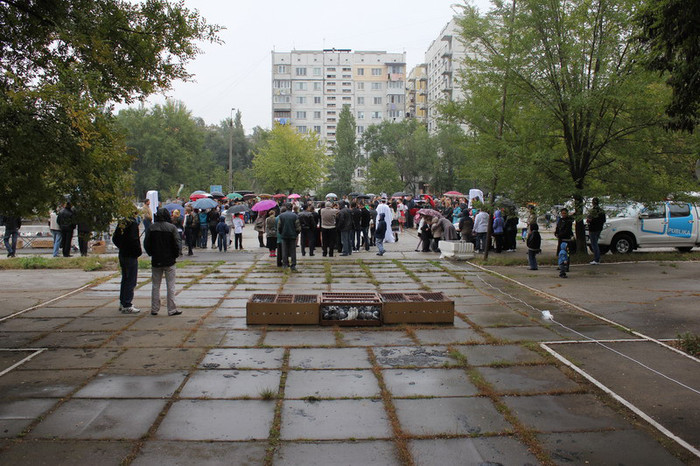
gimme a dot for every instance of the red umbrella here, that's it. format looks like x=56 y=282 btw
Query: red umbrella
x=195 y=196
x=279 y=196
x=264 y=205
x=453 y=194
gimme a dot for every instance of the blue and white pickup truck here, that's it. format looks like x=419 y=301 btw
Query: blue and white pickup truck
x=665 y=225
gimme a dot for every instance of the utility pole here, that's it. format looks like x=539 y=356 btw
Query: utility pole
x=230 y=153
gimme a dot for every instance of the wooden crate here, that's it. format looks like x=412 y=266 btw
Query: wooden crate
x=349 y=299
x=412 y=308
x=282 y=309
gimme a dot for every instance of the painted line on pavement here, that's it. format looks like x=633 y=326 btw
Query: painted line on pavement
x=36 y=352
x=37 y=306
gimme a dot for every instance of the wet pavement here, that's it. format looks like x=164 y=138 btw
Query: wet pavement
x=83 y=384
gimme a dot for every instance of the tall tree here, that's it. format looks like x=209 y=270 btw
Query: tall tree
x=288 y=161
x=344 y=161
x=671 y=31
x=61 y=64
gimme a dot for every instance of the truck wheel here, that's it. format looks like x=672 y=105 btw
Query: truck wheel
x=603 y=249
x=684 y=249
x=622 y=244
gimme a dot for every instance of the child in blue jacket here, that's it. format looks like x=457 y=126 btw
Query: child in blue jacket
x=222 y=231
x=563 y=260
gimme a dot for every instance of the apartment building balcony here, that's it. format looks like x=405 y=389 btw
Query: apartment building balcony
x=446 y=54
x=447 y=72
x=446 y=37
x=282 y=107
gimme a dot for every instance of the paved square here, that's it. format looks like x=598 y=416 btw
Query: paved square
x=246 y=358
x=428 y=382
x=329 y=358
x=231 y=384
x=331 y=384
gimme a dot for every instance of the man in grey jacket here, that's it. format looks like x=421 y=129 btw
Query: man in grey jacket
x=163 y=244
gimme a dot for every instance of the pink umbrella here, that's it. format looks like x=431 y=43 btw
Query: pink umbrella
x=264 y=205
x=453 y=194
x=279 y=196
x=293 y=196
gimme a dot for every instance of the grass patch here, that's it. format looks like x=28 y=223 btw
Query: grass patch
x=328 y=271
x=690 y=343
x=268 y=394
x=88 y=264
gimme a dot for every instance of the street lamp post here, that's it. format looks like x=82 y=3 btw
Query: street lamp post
x=230 y=153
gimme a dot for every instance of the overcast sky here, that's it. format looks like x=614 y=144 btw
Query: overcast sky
x=236 y=74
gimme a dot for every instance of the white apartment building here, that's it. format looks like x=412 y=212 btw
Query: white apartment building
x=310 y=88
x=443 y=59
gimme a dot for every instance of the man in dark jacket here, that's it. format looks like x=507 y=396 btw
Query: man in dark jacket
x=564 y=231
x=365 y=218
x=345 y=227
x=288 y=227
x=66 y=220
x=12 y=226
x=126 y=238
x=308 y=223
x=595 y=220
x=163 y=244
x=356 y=226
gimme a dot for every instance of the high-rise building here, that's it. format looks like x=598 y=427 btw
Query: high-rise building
x=417 y=93
x=443 y=59
x=310 y=88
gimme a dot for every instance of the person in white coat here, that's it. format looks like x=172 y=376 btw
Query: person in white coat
x=383 y=208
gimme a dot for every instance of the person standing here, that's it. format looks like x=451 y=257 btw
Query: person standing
x=356 y=226
x=238 y=225
x=381 y=233
x=12 y=226
x=308 y=230
x=563 y=260
x=191 y=229
x=534 y=245
x=146 y=215
x=84 y=233
x=481 y=224
x=564 y=231
x=259 y=227
x=365 y=220
x=66 y=220
x=213 y=221
x=288 y=229
x=162 y=243
x=383 y=208
x=179 y=223
x=345 y=227
x=222 y=231
x=203 y=228
x=498 y=230
x=328 y=229
x=55 y=231
x=126 y=239
x=595 y=220
x=271 y=232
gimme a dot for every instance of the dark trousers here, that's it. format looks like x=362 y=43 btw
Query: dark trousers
x=346 y=240
x=328 y=240
x=83 y=239
x=358 y=239
x=365 y=238
x=66 y=240
x=130 y=271
x=532 y=259
x=190 y=239
x=212 y=231
x=203 y=234
x=289 y=252
x=310 y=237
x=238 y=240
x=498 y=239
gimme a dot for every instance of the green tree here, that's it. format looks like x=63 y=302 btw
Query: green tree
x=382 y=176
x=345 y=155
x=670 y=29
x=168 y=146
x=288 y=161
x=62 y=64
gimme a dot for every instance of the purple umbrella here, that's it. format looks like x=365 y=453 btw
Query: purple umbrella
x=264 y=205
x=430 y=213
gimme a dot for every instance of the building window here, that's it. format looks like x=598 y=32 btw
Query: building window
x=360 y=129
x=347 y=69
x=376 y=115
x=300 y=71
x=360 y=101
x=395 y=84
x=330 y=69
x=376 y=86
x=360 y=71
x=318 y=71
x=301 y=115
x=331 y=112
x=395 y=114
x=301 y=100
x=347 y=98
x=318 y=86
x=331 y=83
x=317 y=115
x=395 y=69
x=282 y=99
x=301 y=129
x=282 y=69
x=360 y=86
x=331 y=97
x=300 y=86
x=317 y=100
x=317 y=129
x=376 y=71
x=282 y=114
x=377 y=101
x=281 y=84
x=360 y=115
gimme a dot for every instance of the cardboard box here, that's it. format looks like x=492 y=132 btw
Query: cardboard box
x=282 y=309
x=366 y=302
x=417 y=308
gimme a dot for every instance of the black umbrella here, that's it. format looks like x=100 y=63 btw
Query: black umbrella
x=238 y=209
x=363 y=196
x=399 y=194
x=354 y=194
x=217 y=194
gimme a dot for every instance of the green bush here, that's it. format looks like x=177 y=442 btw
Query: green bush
x=690 y=343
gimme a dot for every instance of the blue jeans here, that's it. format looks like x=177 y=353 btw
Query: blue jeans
x=203 y=235
x=346 y=240
x=481 y=241
x=532 y=259
x=595 y=236
x=130 y=271
x=56 y=242
x=380 y=245
x=222 y=243
x=10 y=240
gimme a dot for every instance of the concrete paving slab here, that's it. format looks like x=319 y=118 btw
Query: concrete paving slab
x=239 y=312
x=33 y=325
x=296 y=337
x=560 y=413
x=615 y=447
x=132 y=386
x=151 y=360
x=201 y=453
x=449 y=416
x=375 y=337
x=217 y=420
x=42 y=383
x=231 y=384
x=72 y=340
x=446 y=336
x=501 y=318
x=20 y=339
x=329 y=358
x=16 y=415
x=195 y=302
x=483 y=355
x=186 y=321
x=331 y=384
x=69 y=358
x=428 y=382
x=9 y=358
x=97 y=324
x=66 y=453
x=476 y=451
x=349 y=453
x=237 y=358
x=523 y=334
x=99 y=419
x=528 y=379
x=59 y=311
x=407 y=356
x=242 y=338
x=334 y=419
x=149 y=338
x=205 y=338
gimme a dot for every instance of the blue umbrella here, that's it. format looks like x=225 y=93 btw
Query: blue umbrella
x=204 y=203
x=173 y=206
